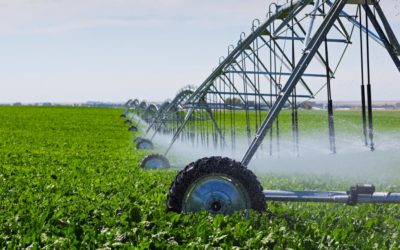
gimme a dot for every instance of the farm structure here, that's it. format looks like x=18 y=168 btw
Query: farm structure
x=290 y=58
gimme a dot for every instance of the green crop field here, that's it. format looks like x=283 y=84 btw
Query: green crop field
x=69 y=178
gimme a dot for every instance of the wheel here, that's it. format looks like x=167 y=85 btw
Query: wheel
x=133 y=128
x=155 y=161
x=144 y=144
x=217 y=185
x=137 y=139
x=128 y=122
x=122 y=116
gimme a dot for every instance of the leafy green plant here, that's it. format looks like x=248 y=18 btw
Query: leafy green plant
x=69 y=178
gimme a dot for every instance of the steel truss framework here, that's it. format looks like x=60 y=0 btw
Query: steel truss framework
x=285 y=61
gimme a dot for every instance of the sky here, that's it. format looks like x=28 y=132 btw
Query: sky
x=114 y=50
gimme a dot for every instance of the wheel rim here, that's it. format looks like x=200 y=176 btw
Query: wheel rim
x=216 y=194
x=155 y=163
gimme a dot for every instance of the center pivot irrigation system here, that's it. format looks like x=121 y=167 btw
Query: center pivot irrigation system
x=286 y=60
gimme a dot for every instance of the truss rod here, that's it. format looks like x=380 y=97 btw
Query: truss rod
x=332 y=40
x=295 y=9
x=382 y=35
x=284 y=62
x=352 y=20
x=272 y=73
x=246 y=79
x=233 y=86
x=302 y=65
x=236 y=51
x=392 y=38
x=252 y=94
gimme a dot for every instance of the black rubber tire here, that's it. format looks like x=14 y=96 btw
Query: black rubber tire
x=215 y=165
x=144 y=141
x=133 y=129
x=162 y=158
x=128 y=122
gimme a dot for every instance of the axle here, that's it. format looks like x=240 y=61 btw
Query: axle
x=358 y=194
